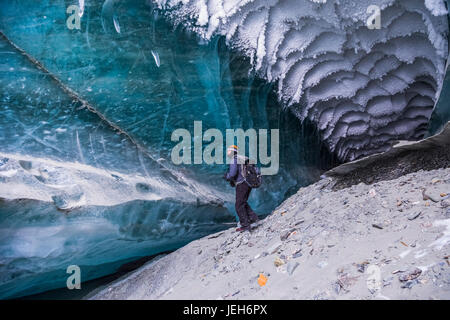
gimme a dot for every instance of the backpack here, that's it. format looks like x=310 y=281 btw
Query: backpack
x=251 y=174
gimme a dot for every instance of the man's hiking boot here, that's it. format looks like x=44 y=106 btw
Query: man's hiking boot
x=242 y=229
x=256 y=223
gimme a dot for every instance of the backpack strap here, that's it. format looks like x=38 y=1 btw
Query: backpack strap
x=243 y=165
x=243 y=171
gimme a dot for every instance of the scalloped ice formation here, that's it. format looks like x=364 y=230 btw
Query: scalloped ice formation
x=363 y=88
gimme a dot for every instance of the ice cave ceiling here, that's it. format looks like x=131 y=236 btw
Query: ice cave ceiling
x=363 y=88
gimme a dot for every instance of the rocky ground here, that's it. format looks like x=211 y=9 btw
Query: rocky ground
x=404 y=157
x=385 y=240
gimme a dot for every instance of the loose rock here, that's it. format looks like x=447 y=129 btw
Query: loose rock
x=291 y=266
x=410 y=275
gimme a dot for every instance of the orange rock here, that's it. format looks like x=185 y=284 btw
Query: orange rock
x=262 y=280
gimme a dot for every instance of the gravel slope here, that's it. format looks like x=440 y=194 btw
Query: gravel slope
x=378 y=241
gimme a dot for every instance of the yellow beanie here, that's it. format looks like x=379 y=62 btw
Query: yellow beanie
x=232 y=148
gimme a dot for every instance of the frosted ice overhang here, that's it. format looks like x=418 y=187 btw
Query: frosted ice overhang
x=363 y=88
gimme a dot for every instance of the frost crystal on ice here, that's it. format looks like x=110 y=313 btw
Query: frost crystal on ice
x=363 y=88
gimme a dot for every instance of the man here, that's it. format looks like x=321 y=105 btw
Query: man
x=246 y=215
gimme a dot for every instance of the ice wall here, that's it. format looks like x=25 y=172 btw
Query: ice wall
x=87 y=179
x=363 y=88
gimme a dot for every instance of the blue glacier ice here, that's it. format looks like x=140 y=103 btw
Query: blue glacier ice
x=86 y=118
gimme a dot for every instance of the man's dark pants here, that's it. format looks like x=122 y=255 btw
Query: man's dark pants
x=245 y=213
